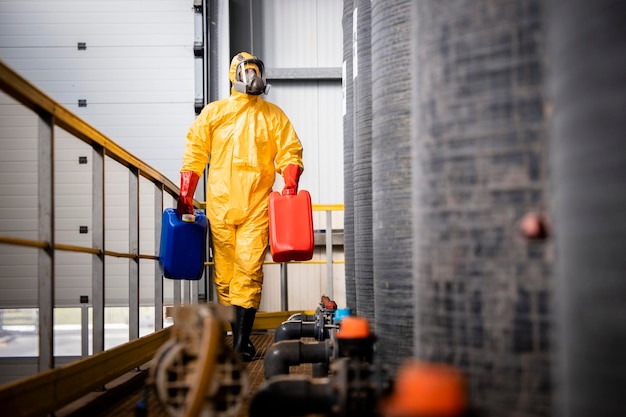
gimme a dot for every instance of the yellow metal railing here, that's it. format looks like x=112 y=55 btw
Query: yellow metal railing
x=51 y=114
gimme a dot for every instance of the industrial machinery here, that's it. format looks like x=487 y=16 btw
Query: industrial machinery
x=281 y=355
x=288 y=350
x=353 y=386
x=195 y=373
x=317 y=325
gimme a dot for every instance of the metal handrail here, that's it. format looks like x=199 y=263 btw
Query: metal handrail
x=50 y=114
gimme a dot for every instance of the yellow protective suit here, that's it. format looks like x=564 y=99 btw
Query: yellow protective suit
x=245 y=140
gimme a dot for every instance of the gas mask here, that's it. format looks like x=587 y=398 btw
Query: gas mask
x=250 y=78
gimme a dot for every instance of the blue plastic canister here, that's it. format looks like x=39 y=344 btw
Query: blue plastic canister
x=183 y=245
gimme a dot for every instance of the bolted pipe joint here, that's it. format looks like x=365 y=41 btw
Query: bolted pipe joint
x=293 y=395
x=280 y=356
x=323 y=324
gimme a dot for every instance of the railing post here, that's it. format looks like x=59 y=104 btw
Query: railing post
x=329 y=253
x=97 y=266
x=133 y=247
x=284 y=288
x=186 y=292
x=177 y=294
x=84 y=330
x=158 y=278
x=46 y=234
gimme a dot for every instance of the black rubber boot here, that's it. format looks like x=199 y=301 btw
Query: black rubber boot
x=244 y=319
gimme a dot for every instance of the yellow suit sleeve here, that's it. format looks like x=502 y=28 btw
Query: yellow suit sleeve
x=288 y=145
x=198 y=147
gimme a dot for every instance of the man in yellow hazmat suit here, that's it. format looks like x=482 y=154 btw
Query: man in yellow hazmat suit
x=245 y=140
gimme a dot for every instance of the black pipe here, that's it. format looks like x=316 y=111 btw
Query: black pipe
x=293 y=395
x=320 y=369
x=280 y=356
x=295 y=329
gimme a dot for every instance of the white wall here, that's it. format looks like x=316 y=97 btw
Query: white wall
x=136 y=72
x=307 y=34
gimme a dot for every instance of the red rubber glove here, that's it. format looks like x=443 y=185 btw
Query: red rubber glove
x=188 y=183
x=291 y=175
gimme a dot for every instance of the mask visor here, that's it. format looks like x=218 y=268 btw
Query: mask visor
x=251 y=73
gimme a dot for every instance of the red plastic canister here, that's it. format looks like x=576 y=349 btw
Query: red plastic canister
x=291 y=227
